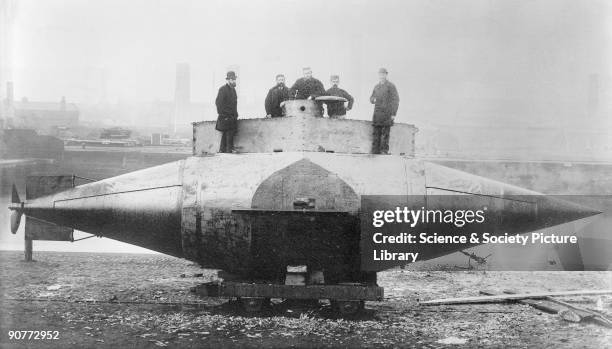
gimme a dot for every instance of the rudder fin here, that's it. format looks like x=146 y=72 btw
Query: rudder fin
x=15 y=196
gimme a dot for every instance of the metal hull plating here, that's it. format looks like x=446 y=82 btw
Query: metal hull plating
x=236 y=212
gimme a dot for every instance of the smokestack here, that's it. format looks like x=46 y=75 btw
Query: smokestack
x=183 y=83
x=593 y=95
x=182 y=92
x=10 y=96
x=7 y=110
x=63 y=104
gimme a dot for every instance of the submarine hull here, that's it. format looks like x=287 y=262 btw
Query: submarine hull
x=255 y=214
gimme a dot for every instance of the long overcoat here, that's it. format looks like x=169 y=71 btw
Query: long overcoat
x=227 y=108
x=304 y=88
x=386 y=101
x=276 y=95
x=338 y=108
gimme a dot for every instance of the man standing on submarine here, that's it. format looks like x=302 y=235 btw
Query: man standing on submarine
x=386 y=101
x=337 y=110
x=276 y=95
x=307 y=87
x=227 y=108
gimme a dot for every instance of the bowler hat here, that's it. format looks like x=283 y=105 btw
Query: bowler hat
x=383 y=70
x=231 y=75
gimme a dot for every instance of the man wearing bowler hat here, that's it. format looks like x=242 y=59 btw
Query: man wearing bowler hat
x=227 y=108
x=386 y=101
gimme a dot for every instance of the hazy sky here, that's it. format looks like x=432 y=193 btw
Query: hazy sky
x=506 y=60
x=499 y=61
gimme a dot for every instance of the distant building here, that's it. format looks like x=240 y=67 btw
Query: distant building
x=156 y=138
x=44 y=116
x=182 y=94
x=115 y=133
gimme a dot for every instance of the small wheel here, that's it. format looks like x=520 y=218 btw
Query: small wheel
x=344 y=308
x=251 y=304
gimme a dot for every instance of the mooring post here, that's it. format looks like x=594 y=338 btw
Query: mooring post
x=28 y=250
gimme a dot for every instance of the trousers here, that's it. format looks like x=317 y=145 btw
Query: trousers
x=380 y=141
x=227 y=141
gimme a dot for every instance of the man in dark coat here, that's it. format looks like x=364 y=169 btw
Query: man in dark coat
x=276 y=95
x=337 y=110
x=227 y=108
x=307 y=87
x=386 y=101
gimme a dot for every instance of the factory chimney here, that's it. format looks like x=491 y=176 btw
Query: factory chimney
x=10 y=96
x=594 y=91
x=6 y=107
x=182 y=93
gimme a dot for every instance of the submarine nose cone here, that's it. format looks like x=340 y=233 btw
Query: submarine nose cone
x=557 y=210
x=142 y=208
x=510 y=209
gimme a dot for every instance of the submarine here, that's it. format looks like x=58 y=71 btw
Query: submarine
x=284 y=216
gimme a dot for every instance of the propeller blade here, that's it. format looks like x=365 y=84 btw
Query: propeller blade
x=15 y=221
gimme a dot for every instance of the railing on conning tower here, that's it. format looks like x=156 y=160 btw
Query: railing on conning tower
x=302 y=129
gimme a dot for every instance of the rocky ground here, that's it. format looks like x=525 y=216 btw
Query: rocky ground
x=129 y=300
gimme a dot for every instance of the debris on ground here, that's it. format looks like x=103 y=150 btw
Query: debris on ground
x=453 y=340
x=139 y=282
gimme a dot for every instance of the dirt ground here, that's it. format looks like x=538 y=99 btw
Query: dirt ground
x=130 y=300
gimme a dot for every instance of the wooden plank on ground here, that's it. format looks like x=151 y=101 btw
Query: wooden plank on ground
x=566 y=310
x=513 y=297
x=540 y=304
